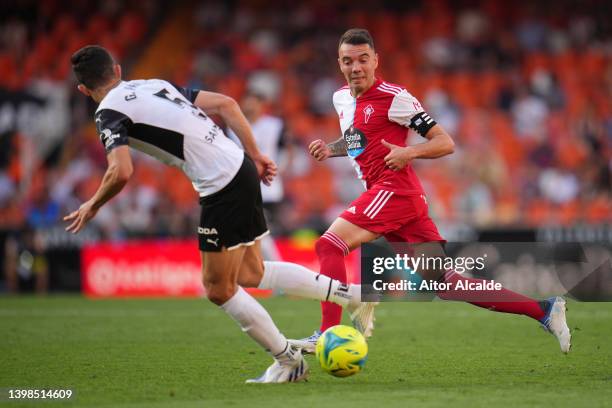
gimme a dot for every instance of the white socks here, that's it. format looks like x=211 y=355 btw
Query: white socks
x=255 y=321
x=292 y=279
x=296 y=280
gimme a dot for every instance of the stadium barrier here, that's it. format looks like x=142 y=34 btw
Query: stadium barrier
x=167 y=268
x=172 y=268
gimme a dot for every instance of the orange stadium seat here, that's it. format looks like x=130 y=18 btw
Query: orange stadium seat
x=599 y=210
x=569 y=213
x=98 y=24
x=131 y=28
x=536 y=61
x=538 y=212
x=182 y=193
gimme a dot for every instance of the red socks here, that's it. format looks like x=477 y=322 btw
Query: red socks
x=502 y=300
x=331 y=251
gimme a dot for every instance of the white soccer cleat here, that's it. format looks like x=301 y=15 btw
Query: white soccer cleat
x=363 y=318
x=288 y=366
x=555 y=322
x=307 y=344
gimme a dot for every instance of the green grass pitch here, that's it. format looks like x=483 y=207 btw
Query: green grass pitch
x=188 y=353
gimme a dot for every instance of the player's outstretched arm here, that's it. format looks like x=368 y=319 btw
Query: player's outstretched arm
x=229 y=110
x=115 y=178
x=321 y=151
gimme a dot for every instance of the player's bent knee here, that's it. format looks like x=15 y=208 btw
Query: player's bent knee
x=219 y=293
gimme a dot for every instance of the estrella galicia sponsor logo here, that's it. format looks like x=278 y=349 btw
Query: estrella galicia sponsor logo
x=207 y=231
x=355 y=141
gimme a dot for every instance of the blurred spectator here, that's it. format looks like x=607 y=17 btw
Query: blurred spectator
x=443 y=109
x=558 y=186
x=271 y=138
x=26 y=266
x=43 y=211
x=529 y=113
x=545 y=86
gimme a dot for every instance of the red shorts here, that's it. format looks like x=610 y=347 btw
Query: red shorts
x=398 y=216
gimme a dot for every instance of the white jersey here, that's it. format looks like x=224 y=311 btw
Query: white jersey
x=268 y=132
x=159 y=119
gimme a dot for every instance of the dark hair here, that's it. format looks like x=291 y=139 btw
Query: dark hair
x=356 y=36
x=92 y=66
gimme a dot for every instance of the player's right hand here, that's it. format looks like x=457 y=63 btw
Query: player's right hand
x=319 y=150
x=266 y=168
x=80 y=217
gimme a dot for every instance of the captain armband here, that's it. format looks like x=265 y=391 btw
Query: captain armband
x=421 y=123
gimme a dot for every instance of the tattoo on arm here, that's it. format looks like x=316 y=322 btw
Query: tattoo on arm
x=338 y=148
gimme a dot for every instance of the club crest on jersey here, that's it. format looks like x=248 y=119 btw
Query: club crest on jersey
x=355 y=141
x=367 y=112
x=341 y=115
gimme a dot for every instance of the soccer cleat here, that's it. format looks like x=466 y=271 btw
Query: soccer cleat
x=363 y=318
x=288 y=366
x=307 y=344
x=555 y=322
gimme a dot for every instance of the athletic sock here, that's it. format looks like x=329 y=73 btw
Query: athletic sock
x=296 y=280
x=503 y=300
x=255 y=321
x=331 y=251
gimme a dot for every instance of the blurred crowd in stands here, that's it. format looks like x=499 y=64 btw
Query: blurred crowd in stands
x=525 y=89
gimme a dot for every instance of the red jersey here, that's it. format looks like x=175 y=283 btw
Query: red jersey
x=385 y=112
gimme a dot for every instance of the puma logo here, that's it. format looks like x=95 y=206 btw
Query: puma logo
x=215 y=242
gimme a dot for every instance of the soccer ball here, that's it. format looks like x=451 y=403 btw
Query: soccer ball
x=342 y=351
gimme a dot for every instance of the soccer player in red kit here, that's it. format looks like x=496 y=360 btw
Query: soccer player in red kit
x=374 y=118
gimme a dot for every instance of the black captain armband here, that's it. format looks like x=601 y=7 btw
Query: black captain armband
x=421 y=123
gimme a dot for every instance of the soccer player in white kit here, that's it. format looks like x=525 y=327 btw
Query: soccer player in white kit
x=171 y=124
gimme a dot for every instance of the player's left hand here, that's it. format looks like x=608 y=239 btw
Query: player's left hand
x=266 y=168
x=80 y=217
x=398 y=157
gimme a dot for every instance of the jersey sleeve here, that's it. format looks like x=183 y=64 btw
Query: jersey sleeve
x=406 y=110
x=113 y=128
x=190 y=93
